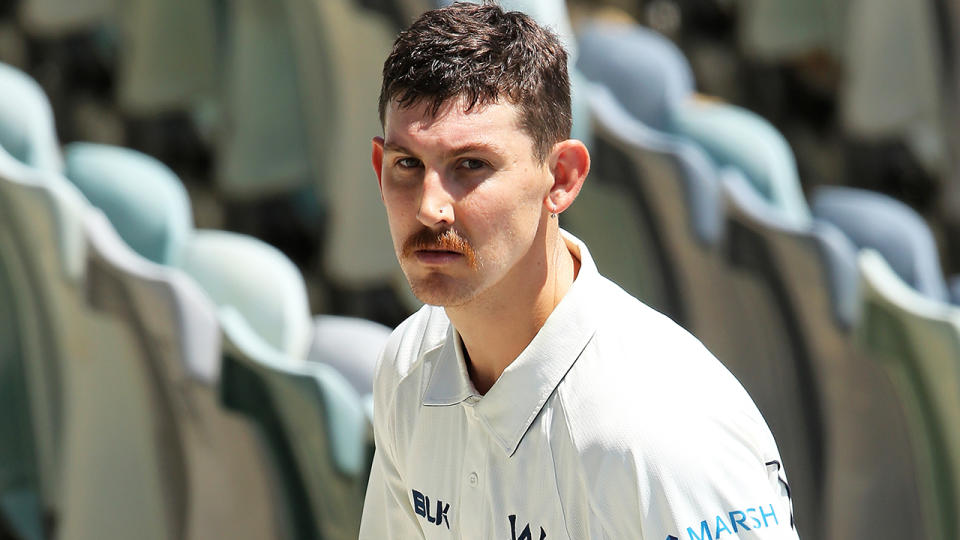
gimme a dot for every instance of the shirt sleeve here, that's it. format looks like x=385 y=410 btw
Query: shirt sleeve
x=700 y=502
x=692 y=489
x=387 y=512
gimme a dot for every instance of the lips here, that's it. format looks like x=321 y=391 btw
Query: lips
x=436 y=248
x=437 y=257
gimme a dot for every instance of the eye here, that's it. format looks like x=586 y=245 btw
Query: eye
x=472 y=164
x=408 y=163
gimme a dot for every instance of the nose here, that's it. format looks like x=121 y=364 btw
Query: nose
x=436 y=204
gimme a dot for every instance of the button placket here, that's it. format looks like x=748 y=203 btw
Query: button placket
x=472 y=504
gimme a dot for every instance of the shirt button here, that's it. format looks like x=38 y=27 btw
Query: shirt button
x=474 y=479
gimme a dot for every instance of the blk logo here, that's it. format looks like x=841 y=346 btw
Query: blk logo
x=525 y=534
x=421 y=505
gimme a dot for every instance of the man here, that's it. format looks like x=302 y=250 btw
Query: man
x=532 y=398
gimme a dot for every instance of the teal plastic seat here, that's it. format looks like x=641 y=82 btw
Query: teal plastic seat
x=258 y=281
x=738 y=138
x=27 y=130
x=314 y=423
x=772 y=292
x=123 y=357
x=143 y=198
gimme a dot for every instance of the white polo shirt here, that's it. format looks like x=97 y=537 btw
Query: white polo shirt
x=614 y=423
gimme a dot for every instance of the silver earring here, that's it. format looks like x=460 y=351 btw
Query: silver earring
x=553 y=215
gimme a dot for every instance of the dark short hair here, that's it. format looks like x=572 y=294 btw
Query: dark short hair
x=482 y=54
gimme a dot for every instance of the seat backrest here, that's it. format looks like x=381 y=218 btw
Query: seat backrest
x=739 y=138
x=58 y=18
x=339 y=49
x=918 y=341
x=143 y=198
x=351 y=345
x=168 y=58
x=122 y=358
x=213 y=463
x=882 y=223
x=27 y=130
x=809 y=279
x=645 y=71
x=87 y=424
x=258 y=281
x=314 y=424
x=264 y=149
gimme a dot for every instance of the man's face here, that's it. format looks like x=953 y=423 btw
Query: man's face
x=464 y=196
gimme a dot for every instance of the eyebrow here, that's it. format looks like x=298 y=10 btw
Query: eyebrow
x=460 y=150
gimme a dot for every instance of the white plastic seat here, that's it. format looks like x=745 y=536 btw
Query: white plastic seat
x=27 y=130
x=315 y=425
x=917 y=339
x=122 y=358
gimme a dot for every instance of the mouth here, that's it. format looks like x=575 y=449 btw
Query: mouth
x=437 y=257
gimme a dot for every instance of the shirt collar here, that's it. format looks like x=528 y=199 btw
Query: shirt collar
x=515 y=400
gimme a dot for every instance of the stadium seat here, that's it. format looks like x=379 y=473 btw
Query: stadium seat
x=774 y=362
x=637 y=80
x=314 y=423
x=122 y=359
x=27 y=130
x=57 y=18
x=264 y=149
x=917 y=339
x=20 y=491
x=877 y=221
x=258 y=281
x=735 y=137
x=245 y=276
x=866 y=470
x=894 y=83
x=677 y=174
x=352 y=346
x=954 y=285
x=168 y=55
x=777 y=292
x=143 y=199
x=777 y=30
x=338 y=49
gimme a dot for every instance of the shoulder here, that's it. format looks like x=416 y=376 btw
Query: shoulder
x=424 y=330
x=402 y=357
x=657 y=421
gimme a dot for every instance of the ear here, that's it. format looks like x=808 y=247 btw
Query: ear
x=376 y=158
x=569 y=165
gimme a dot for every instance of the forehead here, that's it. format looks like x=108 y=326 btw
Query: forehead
x=491 y=123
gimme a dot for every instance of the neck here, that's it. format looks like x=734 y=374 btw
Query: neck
x=499 y=324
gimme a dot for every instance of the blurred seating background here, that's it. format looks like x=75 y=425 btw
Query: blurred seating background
x=196 y=275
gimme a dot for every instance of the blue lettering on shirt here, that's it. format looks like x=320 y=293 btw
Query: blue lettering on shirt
x=731 y=523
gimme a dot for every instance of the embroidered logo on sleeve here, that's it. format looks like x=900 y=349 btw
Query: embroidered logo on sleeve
x=422 y=506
